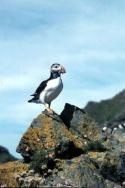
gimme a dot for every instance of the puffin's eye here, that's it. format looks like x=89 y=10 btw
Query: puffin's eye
x=56 y=66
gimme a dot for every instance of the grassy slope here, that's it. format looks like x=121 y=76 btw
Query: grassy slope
x=108 y=110
x=5 y=156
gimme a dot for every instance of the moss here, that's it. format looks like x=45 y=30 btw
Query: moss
x=42 y=160
x=31 y=137
x=8 y=172
x=95 y=146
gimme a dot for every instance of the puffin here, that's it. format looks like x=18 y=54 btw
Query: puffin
x=49 y=89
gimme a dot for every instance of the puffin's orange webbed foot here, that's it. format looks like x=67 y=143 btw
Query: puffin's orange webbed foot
x=50 y=111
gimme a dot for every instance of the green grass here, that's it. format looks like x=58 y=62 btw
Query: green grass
x=6 y=158
x=107 y=110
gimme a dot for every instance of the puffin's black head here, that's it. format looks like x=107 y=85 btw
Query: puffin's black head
x=57 y=68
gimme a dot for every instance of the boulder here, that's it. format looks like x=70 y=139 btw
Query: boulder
x=112 y=161
x=68 y=150
x=113 y=166
x=76 y=172
x=79 y=123
x=48 y=132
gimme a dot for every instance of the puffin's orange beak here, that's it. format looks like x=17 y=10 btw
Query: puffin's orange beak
x=63 y=70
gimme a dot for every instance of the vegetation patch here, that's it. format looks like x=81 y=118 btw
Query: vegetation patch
x=42 y=160
x=8 y=172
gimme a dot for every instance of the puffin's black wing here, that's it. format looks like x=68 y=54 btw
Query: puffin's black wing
x=40 y=88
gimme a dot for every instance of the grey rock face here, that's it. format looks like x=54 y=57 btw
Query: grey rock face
x=79 y=123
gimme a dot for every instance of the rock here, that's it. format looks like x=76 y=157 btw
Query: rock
x=31 y=172
x=110 y=184
x=111 y=162
x=96 y=157
x=119 y=136
x=80 y=172
x=49 y=133
x=79 y=123
x=33 y=180
x=77 y=172
x=83 y=127
x=67 y=150
x=113 y=166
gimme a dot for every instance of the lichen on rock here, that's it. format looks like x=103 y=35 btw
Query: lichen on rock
x=8 y=173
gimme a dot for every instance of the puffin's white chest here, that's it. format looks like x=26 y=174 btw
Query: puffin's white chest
x=52 y=90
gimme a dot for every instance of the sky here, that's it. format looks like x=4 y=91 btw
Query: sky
x=87 y=37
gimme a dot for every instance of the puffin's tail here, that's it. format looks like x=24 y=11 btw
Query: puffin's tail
x=32 y=100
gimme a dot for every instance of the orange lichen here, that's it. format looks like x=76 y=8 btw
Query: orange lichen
x=98 y=156
x=31 y=138
x=8 y=172
x=48 y=132
x=93 y=154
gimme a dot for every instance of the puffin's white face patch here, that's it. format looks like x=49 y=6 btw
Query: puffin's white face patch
x=58 y=68
x=55 y=67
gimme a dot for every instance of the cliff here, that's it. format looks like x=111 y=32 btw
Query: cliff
x=66 y=150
